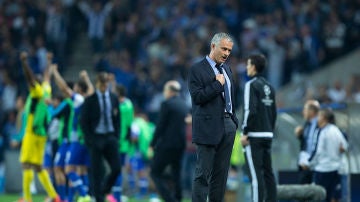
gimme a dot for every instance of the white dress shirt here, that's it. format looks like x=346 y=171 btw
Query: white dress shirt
x=101 y=128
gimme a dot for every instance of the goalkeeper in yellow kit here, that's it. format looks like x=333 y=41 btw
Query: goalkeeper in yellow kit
x=33 y=143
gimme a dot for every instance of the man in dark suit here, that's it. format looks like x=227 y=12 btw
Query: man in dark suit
x=169 y=142
x=307 y=136
x=100 y=122
x=211 y=86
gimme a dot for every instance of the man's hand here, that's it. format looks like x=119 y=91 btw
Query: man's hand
x=14 y=144
x=150 y=152
x=53 y=68
x=220 y=78
x=244 y=140
x=49 y=56
x=188 y=119
x=48 y=101
x=304 y=167
x=23 y=56
x=83 y=74
x=299 y=130
x=341 y=149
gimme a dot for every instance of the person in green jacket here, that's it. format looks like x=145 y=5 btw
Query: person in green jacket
x=141 y=134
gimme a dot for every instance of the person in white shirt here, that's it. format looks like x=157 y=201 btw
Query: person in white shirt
x=326 y=158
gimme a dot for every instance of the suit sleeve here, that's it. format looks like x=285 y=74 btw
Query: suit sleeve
x=161 y=124
x=85 y=119
x=250 y=108
x=201 y=93
x=117 y=118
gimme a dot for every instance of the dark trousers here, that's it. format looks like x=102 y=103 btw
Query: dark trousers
x=212 y=166
x=331 y=181
x=258 y=158
x=105 y=146
x=305 y=176
x=162 y=159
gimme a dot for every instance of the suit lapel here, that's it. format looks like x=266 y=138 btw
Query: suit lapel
x=208 y=68
x=228 y=72
x=114 y=108
x=96 y=104
x=211 y=73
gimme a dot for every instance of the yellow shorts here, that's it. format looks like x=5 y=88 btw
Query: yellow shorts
x=33 y=148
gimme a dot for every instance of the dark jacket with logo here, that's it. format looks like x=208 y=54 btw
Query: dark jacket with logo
x=259 y=108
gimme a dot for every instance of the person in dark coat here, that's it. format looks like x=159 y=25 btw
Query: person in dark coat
x=169 y=142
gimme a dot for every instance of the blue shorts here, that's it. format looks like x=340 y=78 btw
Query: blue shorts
x=137 y=163
x=77 y=155
x=59 y=160
x=123 y=157
x=50 y=150
x=48 y=156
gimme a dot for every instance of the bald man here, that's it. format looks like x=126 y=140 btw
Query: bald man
x=169 y=142
x=307 y=137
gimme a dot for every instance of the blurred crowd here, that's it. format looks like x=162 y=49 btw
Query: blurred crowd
x=297 y=37
x=337 y=92
x=35 y=27
x=145 y=43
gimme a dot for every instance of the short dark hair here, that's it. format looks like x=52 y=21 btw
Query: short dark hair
x=102 y=77
x=120 y=90
x=83 y=86
x=39 y=78
x=329 y=115
x=259 y=61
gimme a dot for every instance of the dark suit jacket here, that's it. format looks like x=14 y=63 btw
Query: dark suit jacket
x=90 y=117
x=170 y=128
x=208 y=103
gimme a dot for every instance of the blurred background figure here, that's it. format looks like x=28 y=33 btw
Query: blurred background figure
x=326 y=158
x=96 y=15
x=189 y=159
x=169 y=142
x=125 y=144
x=99 y=120
x=142 y=131
x=35 y=136
x=307 y=138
